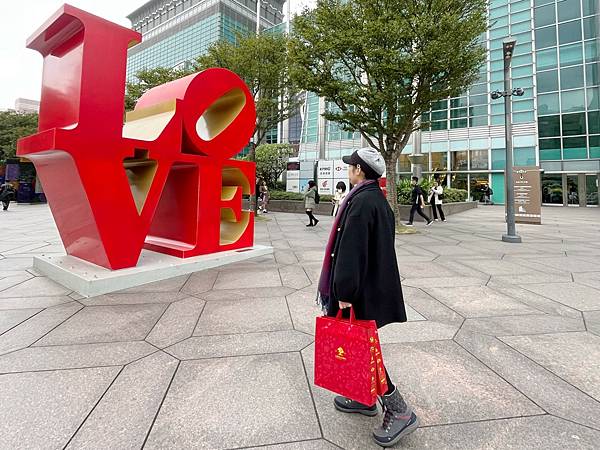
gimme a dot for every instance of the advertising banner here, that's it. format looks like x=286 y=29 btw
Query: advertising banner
x=293 y=174
x=325 y=170
x=307 y=170
x=326 y=186
x=304 y=184
x=293 y=185
x=528 y=195
x=340 y=169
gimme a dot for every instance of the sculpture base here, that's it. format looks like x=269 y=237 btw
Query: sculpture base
x=90 y=280
x=511 y=239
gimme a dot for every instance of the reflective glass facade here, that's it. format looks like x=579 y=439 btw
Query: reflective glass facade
x=176 y=32
x=556 y=123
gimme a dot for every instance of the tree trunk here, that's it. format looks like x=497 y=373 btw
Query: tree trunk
x=391 y=186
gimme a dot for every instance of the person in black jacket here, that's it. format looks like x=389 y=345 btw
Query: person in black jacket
x=418 y=203
x=360 y=271
x=7 y=193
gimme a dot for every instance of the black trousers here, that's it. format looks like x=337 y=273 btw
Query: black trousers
x=417 y=209
x=437 y=206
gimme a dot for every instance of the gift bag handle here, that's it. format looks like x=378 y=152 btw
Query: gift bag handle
x=352 y=316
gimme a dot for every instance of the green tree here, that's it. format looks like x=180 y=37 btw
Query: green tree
x=262 y=61
x=381 y=63
x=13 y=126
x=147 y=79
x=271 y=161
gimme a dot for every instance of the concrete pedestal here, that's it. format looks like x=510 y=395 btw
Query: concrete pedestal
x=90 y=280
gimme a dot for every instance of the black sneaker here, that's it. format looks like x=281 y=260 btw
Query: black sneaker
x=346 y=405
x=316 y=222
x=429 y=223
x=408 y=224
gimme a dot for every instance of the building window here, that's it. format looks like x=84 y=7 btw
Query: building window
x=439 y=161
x=545 y=37
x=569 y=32
x=549 y=126
x=549 y=149
x=460 y=160
x=479 y=159
x=547 y=81
x=574 y=148
x=547 y=59
x=573 y=124
x=524 y=156
x=572 y=101
x=544 y=15
x=594 y=146
x=571 y=77
x=568 y=9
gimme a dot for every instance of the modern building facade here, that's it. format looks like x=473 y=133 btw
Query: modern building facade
x=175 y=32
x=556 y=124
x=26 y=105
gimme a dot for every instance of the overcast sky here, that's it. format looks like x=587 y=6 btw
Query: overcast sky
x=21 y=71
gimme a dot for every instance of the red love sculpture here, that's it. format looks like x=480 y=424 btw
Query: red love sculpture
x=162 y=180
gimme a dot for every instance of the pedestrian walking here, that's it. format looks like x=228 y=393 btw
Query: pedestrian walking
x=7 y=193
x=360 y=271
x=487 y=194
x=311 y=198
x=264 y=197
x=436 y=194
x=338 y=197
x=417 y=202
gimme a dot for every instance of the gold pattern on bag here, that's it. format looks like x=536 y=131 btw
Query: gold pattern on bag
x=340 y=354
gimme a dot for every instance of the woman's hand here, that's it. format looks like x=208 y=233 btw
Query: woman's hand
x=344 y=305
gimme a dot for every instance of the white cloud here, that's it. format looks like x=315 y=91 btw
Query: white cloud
x=21 y=72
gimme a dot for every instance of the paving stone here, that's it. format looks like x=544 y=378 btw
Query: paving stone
x=233 y=317
x=442 y=281
x=592 y=321
x=136 y=298
x=547 y=390
x=12 y=318
x=177 y=323
x=32 y=302
x=43 y=409
x=423 y=270
x=243 y=294
x=429 y=307
x=258 y=391
x=74 y=356
x=200 y=282
x=498 y=267
x=532 y=433
x=106 y=324
x=572 y=356
x=589 y=279
x=416 y=332
x=523 y=325
x=170 y=285
x=319 y=444
x=294 y=277
x=304 y=310
x=33 y=329
x=14 y=280
x=534 y=300
x=575 y=295
x=533 y=278
x=240 y=344
x=39 y=286
x=479 y=301
x=256 y=278
x=285 y=257
x=125 y=414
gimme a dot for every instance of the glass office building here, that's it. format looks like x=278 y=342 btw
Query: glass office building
x=175 y=32
x=556 y=124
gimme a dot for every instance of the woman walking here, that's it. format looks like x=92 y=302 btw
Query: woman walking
x=310 y=201
x=360 y=270
x=338 y=197
x=435 y=200
x=264 y=197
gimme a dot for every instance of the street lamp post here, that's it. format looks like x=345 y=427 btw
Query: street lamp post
x=508 y=47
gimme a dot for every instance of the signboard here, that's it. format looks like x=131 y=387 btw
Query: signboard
x=304 y=184
x=293 y=185
x=307 y=170
x=325 y=170
x=528 y=196
x=293 y=165
x=340 y=170
x=293 y=174
x=326 y=186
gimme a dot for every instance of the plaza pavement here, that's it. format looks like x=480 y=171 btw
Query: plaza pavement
x=502 y=349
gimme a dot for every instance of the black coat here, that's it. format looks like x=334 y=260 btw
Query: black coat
x=364 y=267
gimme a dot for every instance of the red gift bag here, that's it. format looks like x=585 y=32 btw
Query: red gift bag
x=348 y=358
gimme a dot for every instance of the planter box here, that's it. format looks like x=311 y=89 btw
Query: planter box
x=325 y=209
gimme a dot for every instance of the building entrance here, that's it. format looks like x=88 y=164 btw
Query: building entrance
x=577 y=190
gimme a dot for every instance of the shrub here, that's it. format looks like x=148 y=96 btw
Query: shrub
x=451 y=195
x=283 y=195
